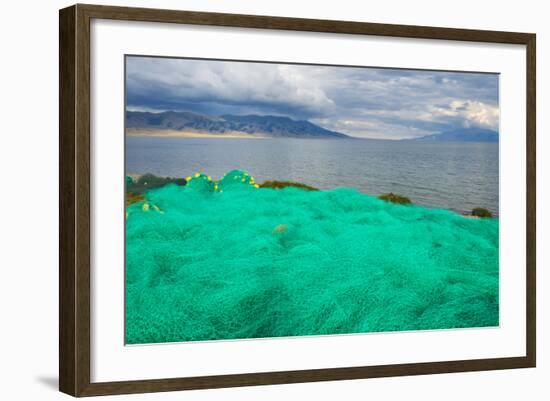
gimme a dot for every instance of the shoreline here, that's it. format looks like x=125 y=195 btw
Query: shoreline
x=463 y=213
x=190 y=134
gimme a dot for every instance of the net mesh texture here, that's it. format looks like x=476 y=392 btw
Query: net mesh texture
x=228 y=260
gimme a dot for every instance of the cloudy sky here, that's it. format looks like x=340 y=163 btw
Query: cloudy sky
x=362 y=102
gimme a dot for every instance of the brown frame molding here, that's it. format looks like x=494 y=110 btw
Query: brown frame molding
x=74 y=199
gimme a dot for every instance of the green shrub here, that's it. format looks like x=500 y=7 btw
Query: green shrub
x=395 y=198
x=285 y=184
x=150 y=181
x=481 y=212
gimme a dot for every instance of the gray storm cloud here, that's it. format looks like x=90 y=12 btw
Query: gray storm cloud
x=364 y=102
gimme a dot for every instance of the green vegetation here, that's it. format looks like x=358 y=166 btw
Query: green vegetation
x=395 y=198
x=481 y=212
x=135 y=188
x=286 y=184
x=150 y=181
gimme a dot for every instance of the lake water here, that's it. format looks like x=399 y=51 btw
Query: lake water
x=457 y=176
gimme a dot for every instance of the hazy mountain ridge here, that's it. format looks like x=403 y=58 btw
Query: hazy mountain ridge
x=461 y=135
x=272 y=126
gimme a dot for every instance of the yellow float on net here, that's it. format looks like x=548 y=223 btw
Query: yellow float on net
x=188 y=179
x=197 y=174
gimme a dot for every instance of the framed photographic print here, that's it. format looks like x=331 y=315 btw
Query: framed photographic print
x=250 y=200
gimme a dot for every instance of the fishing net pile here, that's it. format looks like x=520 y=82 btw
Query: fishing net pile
x=228 y=260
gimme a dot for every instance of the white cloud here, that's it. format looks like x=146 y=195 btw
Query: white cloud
x=367 y=102
x=482 y=114
x=473 y=113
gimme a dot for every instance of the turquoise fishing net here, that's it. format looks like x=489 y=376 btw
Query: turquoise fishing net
x=226 y=260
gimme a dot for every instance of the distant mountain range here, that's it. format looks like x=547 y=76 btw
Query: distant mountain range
x=270 y=126
x=266 y=126
x=461 y=135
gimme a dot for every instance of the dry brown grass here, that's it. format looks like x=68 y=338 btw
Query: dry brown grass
x=133 y=198
x=286 y=184
x=395 y=198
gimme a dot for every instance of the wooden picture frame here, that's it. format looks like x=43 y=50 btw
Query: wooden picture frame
x=74 y=204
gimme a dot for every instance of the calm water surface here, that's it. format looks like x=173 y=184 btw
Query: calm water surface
x=457 y=176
